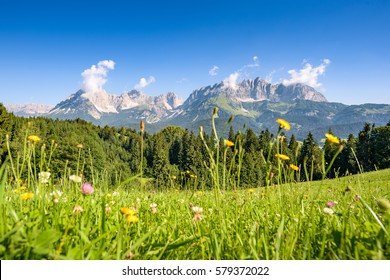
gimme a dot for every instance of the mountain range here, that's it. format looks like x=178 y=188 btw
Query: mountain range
x=256 y=104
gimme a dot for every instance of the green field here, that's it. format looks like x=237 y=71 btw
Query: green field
x=278 y=222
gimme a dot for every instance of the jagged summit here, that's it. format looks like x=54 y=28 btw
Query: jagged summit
x=99 y=104
x=258 y=90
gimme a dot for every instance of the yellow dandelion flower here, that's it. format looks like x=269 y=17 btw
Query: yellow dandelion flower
x=331 y=138
x=228 y=143
x=34 y=138
x=127 y=211
x=27 y=195
x=282 y=157
x=294 y=167
x=174 y=177
x=132 y=218
x=22 y=188
x=283 y=124
x=251 y=190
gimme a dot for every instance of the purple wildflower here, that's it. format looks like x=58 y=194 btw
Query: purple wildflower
x=330 y=204
x=87 y=188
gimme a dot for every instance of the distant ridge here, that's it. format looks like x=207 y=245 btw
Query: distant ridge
x=254 y=103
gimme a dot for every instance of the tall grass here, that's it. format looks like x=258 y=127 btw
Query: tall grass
x=343 y=218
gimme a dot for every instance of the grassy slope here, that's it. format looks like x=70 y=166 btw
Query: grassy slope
x=280 y=222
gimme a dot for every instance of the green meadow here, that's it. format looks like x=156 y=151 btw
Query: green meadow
x=70 y=217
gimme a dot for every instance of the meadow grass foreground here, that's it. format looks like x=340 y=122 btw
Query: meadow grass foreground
x=42 y=217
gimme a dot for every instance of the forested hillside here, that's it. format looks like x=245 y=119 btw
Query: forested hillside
x=176 y=156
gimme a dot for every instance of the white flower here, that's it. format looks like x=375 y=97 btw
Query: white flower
x=56 y=193
x=197 y=209
x=328 y=211
x=153 y=205
x=44 y=177
x=75 y=178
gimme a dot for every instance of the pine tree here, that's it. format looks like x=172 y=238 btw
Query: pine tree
x=310 y=158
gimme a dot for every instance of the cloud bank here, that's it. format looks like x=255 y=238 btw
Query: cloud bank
x=95 y=77
x=307 y=75
x=144 y=83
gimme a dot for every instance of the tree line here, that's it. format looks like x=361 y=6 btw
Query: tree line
x=177 y=157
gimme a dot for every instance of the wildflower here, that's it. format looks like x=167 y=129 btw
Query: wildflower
x=356 y=197
x=87 y=188
x=132 y=218
x=26 y=195
x=193 y=176
x=251 y=190
x=328 y=211
x=77 y=209
x=108 y=209
x=228 y=143
x=294 y=167
x=174 y=177
x=128 y=211
x=75 y=178
x=198 y=213
x=332 y=139
x=56 y=195
x=22 y=188
x=197 y=217
x=44 y=177
x=282 y=157
x=197 y=209
x=34 y=138
x=330 y=204
x=153 y=207
x=283 y=124
x=80 y=146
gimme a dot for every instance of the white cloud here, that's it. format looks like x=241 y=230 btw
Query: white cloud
x=231 y=81
x=214 y=71
x=95 y=77
x=144 y=83
x=307 y=75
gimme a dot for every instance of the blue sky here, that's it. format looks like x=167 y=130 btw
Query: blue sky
x=50 y=49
